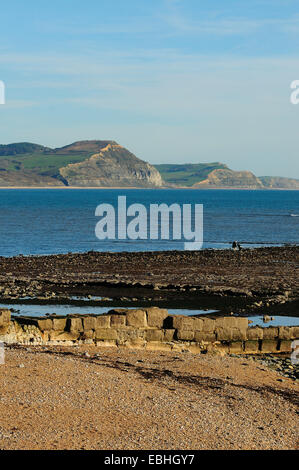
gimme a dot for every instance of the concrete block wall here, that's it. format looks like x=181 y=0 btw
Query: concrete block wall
x=149 y=328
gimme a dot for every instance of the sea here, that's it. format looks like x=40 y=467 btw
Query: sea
x=49 y=221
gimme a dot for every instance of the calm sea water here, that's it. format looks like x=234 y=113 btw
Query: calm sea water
x=61 y=309
x=41 y=221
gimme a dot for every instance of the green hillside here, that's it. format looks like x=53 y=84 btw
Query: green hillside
x=189 y=173
x=39 y=162
x=20 y=149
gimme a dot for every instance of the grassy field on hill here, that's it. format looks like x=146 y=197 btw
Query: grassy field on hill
x=39 y=162
x=187 y=174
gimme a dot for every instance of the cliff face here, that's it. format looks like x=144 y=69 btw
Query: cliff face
x=230 y=179
x=113 y=166
x=277 y=182
x=96 y=163
x=218 y=175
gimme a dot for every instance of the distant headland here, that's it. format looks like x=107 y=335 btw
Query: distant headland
x=106 y=164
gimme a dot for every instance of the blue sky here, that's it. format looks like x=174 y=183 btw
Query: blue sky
x=172 y=80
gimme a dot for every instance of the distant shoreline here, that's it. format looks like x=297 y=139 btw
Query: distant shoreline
x=159 y=188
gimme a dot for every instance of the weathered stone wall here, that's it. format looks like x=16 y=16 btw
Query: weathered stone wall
x=4 y=321
x=150 y=328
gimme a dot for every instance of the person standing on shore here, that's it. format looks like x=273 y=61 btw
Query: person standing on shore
x=236 y=246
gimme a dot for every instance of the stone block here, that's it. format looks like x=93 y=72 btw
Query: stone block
x=255 y=333
x=106 y=334
x=185 y=335
x=103 y=321
x=117 y=321
x=222 y=348
x=285 y=346
x=208 y=325
x=295 y=332
x=251 y=346
x=63 y=335
x=4 y=317
x=231 y=322
x=198 y=324
x=270 y=333
x=156 y=316
x=204 y=336
x=74 y=324
x=88 y=334
x=168 y=335
x=4 y=321
x=230 y=334
x=236 y=347
x=269 y=345
x=89 y=323
x=45 y=324
x=130 y=334
x=285 y=332
x=59 y=324
x=154 y=335
x=181 y=322
x=136 y=318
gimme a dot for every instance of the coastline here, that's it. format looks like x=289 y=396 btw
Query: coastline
x=156 y=188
